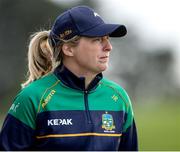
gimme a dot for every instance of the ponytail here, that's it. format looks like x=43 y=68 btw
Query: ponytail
x=40 y=57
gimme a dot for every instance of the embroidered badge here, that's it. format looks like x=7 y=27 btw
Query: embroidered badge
x=107 y=122
x=48 y=98
x=65 y=33
x=115 y=97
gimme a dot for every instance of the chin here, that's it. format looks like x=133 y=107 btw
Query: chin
x=103 y=68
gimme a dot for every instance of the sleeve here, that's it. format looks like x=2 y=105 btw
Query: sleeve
x=129 y=139
x=18 y=130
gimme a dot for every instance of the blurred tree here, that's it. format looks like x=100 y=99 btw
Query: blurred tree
x=145 y=74
x=19 y=19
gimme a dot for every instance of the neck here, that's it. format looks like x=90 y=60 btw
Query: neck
x=88 y=80
x=89 y=76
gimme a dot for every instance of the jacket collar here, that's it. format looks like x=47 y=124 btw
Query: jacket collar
x=74 y=82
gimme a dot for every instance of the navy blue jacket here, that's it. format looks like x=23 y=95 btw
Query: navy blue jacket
x=56 y=112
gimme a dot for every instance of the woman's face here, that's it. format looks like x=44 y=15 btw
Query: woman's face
x=91 y=55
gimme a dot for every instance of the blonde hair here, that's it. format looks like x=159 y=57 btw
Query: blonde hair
x=42 y=57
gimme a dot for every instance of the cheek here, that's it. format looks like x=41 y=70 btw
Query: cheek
x=89 y=58
x=88 y=53
x=82 y=57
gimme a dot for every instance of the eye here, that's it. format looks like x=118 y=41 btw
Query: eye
x=108 y=38
x=98 y=39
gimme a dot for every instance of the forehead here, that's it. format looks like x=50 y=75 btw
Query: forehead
x=83 y=39
x=87 y=38
x=91 y=38
x=91 y=41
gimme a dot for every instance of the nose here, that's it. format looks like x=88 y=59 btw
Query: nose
x=107 y=44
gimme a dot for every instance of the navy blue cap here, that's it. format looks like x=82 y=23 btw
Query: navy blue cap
x=83 y=21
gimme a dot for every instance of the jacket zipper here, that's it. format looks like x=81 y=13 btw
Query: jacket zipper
x=87 y=107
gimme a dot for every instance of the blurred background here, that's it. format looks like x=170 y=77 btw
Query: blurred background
x=146 y=62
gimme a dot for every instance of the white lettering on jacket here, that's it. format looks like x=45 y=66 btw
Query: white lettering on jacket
x=58 y=122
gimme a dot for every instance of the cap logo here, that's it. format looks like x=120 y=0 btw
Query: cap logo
x=96 y=14
x=65 y=33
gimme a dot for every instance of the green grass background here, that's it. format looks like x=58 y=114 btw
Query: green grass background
x=158 y=125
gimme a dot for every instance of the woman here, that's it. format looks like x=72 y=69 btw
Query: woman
x=66 y=104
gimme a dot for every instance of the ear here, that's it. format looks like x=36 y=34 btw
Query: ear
x=67 y=50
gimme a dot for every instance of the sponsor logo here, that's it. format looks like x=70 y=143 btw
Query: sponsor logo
x=59 y=122
x=48 y=98
x=14 y=107
x=108 y=123
x=115 y=97
x=65 y=33
x=96 y=14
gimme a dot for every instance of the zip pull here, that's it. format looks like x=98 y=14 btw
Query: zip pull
x=86 y=92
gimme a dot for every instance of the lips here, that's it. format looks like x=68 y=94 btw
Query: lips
x=104 y=58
